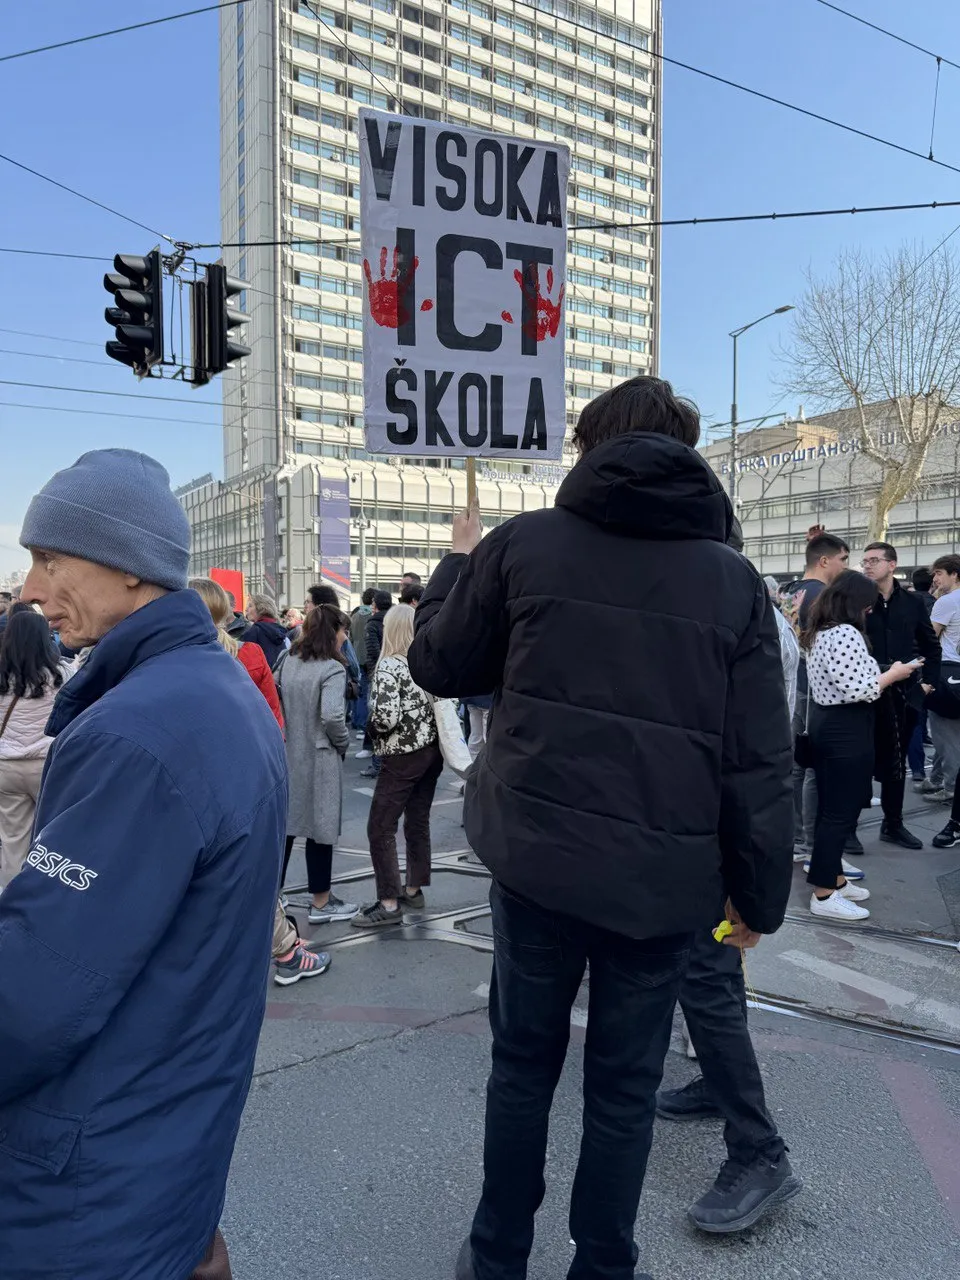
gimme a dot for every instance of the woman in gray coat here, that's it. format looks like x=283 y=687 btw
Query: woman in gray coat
x=312 y=682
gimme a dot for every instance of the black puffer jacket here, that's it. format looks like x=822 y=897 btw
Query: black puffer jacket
x=638 y=754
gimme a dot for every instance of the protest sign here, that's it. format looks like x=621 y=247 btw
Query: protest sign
x=464 y=259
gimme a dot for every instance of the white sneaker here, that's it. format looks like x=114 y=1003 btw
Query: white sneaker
x=838 y=908
x=361 y=735
x=854 y=892
x=363 y=755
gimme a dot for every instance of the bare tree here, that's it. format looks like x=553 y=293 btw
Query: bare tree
x=883 y=337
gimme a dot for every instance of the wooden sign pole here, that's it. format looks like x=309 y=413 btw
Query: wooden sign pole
x=471 y=481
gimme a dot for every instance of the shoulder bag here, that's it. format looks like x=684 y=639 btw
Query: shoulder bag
x=9 y=713
x=454 y=750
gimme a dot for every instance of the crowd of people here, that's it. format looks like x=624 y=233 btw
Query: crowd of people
x=161 y=752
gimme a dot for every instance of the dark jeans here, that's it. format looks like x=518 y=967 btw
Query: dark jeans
x=319 y=864
x=843 y=744
x=538 y=965
x=405 y=788
x=891 y=793
x=714 y=1003
x=916 y=756
x=216 y=1263
x=360 y=706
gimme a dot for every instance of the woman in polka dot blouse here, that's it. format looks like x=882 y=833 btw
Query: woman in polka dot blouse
x=845 y=682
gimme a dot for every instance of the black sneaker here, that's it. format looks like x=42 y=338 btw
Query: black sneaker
x=692 y=1102
x=853 y=847
x=375 y=916
x=413 y=901
x=897 y=833
x=302 y=963
x=743 y=1193
x=948 y=837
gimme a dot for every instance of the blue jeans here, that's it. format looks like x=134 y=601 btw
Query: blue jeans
x=538 y=965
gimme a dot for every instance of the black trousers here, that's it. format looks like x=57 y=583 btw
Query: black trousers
x=538 y=965
x=319 y=859
x=843 y=745
x=891 y=792
x=714 y=1002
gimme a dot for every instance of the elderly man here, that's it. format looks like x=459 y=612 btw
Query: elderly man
x=135 y=942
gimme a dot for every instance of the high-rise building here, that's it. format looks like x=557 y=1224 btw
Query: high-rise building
x=301 y=496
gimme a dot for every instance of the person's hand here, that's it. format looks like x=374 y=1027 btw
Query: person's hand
x=467 y=529
x=815 y=531
x=903 y=670
x=742 y=936
x=927 y=688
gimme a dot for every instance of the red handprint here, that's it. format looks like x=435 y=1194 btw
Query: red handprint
x=389 y=295
x=546 y=313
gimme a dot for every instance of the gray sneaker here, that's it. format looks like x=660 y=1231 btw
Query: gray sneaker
x=335 y=909
x=937 y=797
x=376 y=916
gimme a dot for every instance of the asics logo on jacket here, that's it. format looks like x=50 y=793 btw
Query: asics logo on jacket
x=57 y=867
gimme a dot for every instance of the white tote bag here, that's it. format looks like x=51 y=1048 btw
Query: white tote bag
x=454 y=750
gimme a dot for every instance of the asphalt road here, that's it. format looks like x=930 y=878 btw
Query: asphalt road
x=359 y=1153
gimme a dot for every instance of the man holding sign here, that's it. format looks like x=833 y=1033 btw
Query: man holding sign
x=464 y=258
x=597 y=858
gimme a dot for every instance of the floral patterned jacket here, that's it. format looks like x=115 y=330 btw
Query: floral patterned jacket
x=400 y=716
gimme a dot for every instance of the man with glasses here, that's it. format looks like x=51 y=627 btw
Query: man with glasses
x=899 y=631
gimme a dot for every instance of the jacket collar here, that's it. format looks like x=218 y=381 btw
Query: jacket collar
x=172 y=622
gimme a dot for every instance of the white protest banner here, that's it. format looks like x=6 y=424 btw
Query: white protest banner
x=464 y=237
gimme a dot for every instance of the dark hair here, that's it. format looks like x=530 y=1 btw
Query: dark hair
x=412 y=593
x=368 y=596
x=29 y=661
x=318 y=638
x=414 y=577
x=923 y=578
x=843 y=603
x=642 y=404
x=383 y=600
x=323 y=594
x=889 y=552
x=949 y=564
x=825 y=544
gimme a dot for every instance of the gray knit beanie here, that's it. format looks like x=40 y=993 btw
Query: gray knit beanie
x=114 y=507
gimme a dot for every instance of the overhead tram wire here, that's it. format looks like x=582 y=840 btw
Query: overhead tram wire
x=89 y=199
x=743 y=88
x=116 y=31
x=855 y=17
x=106 y=413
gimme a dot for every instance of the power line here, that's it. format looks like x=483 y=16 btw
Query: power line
x=884 y=32
x=364 y=66
x=116 y=31
x=52 y=337
x=50 y=253
x=733 y=84
x=89 y=391
x=105 y=413
x=89 y=199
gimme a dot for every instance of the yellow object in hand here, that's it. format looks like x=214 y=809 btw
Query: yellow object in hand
x=723 y=930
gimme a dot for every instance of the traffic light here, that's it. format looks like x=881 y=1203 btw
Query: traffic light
x=213 y=320
x=137 y=288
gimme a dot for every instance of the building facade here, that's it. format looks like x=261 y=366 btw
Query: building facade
x=293 y=76
x=809 y=471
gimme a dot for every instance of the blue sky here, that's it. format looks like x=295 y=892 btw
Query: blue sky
x=74 y=114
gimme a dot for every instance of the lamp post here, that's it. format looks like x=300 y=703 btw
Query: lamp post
x=735 y=334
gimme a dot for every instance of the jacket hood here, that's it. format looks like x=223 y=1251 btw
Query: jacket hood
x=648 y=486
x=175 y=620
x=238 y=626
x=276 y=630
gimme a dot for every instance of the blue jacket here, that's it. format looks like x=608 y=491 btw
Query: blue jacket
x=134 y=948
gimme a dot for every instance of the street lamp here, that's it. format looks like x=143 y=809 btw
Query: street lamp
x=735 y=334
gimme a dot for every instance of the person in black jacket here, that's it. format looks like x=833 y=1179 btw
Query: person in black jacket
x=899 y=630
x=574 y=805
x=266 y=630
